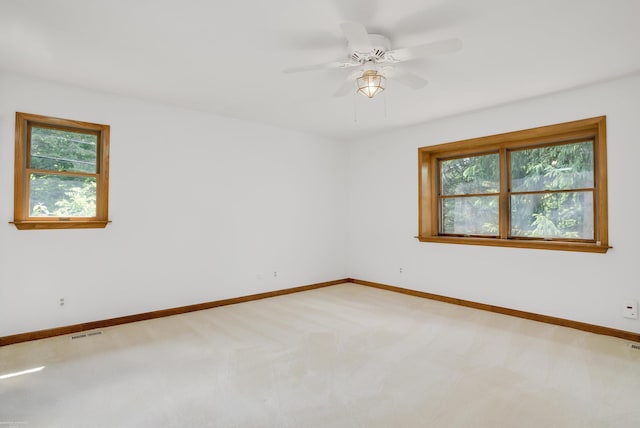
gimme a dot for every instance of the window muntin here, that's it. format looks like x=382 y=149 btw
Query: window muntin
x=546 y=188
x=61 y=177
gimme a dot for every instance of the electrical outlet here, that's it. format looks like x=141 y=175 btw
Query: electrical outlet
x=61 y=301
x=630 y=309
x=401 y=270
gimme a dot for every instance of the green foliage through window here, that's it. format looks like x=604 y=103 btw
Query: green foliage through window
x=62 y=173
x=62 y=195
x=57 y=150
x=550 y=196
x=543 y=188
x=544 y=199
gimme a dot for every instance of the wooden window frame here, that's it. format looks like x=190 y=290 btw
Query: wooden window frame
x=21 y=214
x=428 y=183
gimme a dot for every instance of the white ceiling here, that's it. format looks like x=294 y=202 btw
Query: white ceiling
x=227 y=56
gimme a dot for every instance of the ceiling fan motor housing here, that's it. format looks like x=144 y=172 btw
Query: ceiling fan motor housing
x=379 y=45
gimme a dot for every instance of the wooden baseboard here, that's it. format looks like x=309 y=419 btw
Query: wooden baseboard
x=76 y=328
x=506 y=311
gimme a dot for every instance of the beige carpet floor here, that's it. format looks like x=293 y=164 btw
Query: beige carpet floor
x=341 y=356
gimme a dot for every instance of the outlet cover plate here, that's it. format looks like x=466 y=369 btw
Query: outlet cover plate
x=630 y=309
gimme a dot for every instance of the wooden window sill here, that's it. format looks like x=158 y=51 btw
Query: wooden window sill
x=519 y=243
x=58 y=224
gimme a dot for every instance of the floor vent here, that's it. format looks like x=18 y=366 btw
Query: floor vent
x=635 y=346
x=80 y=336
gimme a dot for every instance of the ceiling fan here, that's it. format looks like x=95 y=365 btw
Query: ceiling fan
x=374 y=61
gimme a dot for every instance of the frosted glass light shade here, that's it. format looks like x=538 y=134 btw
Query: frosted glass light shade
x=370 y=83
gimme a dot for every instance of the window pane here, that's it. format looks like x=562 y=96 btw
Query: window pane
x=474 y=215
x=470 y=175
x=566 y=166
x=566 y=215
x=62 y=196
x=57 y=150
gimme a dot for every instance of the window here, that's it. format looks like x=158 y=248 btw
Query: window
x=61 y=173
x=542 y=188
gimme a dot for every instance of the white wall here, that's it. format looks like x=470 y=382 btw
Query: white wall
x=206 y=208
x=579 y=286
x=203 y=208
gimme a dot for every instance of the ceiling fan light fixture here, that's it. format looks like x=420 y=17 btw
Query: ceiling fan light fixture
x=370 y=83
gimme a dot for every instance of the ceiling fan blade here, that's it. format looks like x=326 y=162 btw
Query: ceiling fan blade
x=357 y=36
x=409 y=79
x=313 y=67
x=356 y=10
x=348 y=85
x=420 y=51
